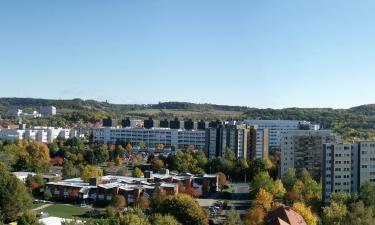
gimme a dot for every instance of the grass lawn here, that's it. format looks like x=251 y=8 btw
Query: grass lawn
x=36 y=205
x=64 y=211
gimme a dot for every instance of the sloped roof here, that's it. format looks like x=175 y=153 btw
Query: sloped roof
x=285 y=216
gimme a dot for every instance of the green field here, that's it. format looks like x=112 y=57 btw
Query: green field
x=64 y=211
x=36 y=205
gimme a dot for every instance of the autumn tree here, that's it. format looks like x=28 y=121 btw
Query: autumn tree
x=359 y=214
x=39 y=155
x=264 y=181
x=157 y=164
x=306 y=213
x=137 y=172
x=255 y=216
x=90 y=171
x=264 y=199
x=185 y=209
x=128 y=149
x=233 y=218
x=28 y=218
x=134 y=219
x=158 y=219
x=118 y=161
x=158 y=196
x=118 y=202
x=278 y=189
x=222 y=180
x=334 y=214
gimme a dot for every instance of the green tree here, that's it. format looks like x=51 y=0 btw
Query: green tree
x=367 y=193
x=290 y=179
x=14 y=198
x=360 y=215
x=159 y=219
x=278 y=189
x=262 y=180
x=39 y=155
x=101 y=154
x=134 y=219
x=28 y=218
x=90 y=171
x=233 y=218
x=229 y=155
x=335 y=214
x=185 y=209
x=118 y=202
x=69 y=170
x=157 y=164
x=158 y=196
x=137 y=172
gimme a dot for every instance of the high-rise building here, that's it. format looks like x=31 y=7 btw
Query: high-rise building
x=240 y=139
x=164 y=123
x=347 y=166
x=279 y=127
x=175 y=124
x=259 y=143
x=150 y=123
x=125 y=122
x=202 y=125
x=304 y=149
x=189 y=124
x=109 y=122
x=337 y=169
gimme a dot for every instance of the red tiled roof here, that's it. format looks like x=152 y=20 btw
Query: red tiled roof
x=284 y=216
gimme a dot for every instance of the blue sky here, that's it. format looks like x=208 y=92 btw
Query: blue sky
x=260 y=53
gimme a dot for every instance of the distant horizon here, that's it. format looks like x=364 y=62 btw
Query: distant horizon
x=209 y=103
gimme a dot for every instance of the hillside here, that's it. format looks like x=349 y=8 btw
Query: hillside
x=354 y=123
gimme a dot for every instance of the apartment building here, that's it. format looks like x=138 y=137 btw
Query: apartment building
x=42 y=134
x=347 y=166
x=304 y=149
x=150 y=137
x=101 y=190
x=246 y=142
x=337 y=169
x=48 y=110
x=279 y=127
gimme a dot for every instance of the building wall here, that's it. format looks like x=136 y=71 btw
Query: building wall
x=151 y=137
x=304 y=149
x=279 y=127
x=337 y=169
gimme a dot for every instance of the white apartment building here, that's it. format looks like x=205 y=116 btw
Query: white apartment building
x=304 y=149
x=42 y=134
x=278 y=127
x=150 y=137
x=47 y=110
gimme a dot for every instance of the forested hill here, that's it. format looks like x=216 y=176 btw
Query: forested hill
x=354 y=123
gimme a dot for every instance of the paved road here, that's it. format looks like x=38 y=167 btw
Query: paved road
x=240 y=197
x=41 y=207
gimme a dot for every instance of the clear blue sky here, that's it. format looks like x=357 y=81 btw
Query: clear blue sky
x=261 y=53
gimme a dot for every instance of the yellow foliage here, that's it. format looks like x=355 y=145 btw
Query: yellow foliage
x=264 y=199
x=306 y=213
